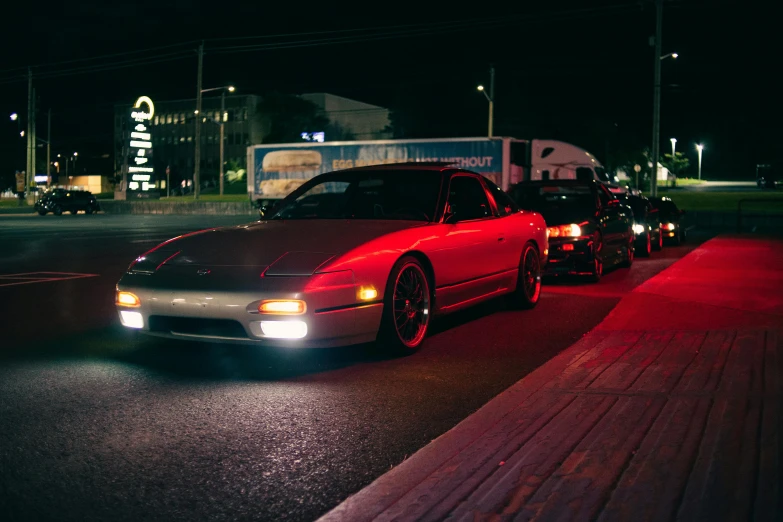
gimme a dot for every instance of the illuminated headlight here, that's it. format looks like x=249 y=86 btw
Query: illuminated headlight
x=572 y=230
x=638 y=229
x=131 y=319
x=284 y=329
x=668 y=226
x=128 y=299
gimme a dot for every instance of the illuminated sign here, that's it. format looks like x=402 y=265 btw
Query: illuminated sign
x=140 y=115
x=140 y=146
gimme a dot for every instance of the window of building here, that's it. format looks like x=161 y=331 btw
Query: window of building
x=225 y=116
x=182 y=139
x=190 y=138
x=155 y=121
x=168 y=118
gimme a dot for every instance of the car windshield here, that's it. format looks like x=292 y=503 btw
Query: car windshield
x=638 y=206
x=667 y=209
x=381 y=194
x=553 y=198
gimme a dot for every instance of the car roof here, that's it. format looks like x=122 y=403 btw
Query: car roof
x=434 y=166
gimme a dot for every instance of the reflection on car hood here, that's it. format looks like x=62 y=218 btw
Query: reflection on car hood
x=261 y=244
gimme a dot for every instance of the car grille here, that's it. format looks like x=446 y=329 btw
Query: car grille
x=197 y=326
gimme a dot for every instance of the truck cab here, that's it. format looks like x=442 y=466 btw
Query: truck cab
x=553 y=160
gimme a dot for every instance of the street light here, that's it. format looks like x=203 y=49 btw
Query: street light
x=699 y=148
x=672 y=55
x=229 y=88
x=14 y=117
x=481 y=89
x=674 y=144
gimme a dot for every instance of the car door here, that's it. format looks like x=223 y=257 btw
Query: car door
x=467 y=260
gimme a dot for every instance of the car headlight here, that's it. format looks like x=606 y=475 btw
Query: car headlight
x=668 y=226
x=572 y=230
x=638 y=229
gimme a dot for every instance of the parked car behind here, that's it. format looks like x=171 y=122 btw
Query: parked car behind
x=60 y=200
x=646 y=225
x=589 y=229
x=672 y=223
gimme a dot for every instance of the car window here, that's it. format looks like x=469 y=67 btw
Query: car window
x=399 y=195
x=505 y=204
x=468 y=199
x=604 y=195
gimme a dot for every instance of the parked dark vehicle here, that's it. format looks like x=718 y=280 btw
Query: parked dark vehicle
x=673 y=227
x=767 y=176
x=61 y=200
x=646 y=225
x=589 y=228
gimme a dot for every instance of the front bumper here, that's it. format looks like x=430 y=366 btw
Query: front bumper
x=573 y=255
x=334 y=315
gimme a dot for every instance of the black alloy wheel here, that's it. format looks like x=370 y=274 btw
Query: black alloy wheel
x=528 y=289
x=628 y=261
x=406 y=309
x=658 y=245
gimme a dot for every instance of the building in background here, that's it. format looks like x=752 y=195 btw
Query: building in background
x=361 y=120
x=172 y=130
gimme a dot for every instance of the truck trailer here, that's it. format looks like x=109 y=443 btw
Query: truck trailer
x=274 y=171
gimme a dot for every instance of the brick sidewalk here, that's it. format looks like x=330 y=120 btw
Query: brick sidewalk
x=670 y=409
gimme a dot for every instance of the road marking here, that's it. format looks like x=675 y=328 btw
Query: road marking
x=28 y=278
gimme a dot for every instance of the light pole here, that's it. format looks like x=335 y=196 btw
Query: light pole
x=699 y=148
x=221 y=122
x=197 y=166
x=490 y=98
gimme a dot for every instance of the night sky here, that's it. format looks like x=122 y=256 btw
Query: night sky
x=563 y=70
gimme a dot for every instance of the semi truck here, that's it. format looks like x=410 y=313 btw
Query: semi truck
x=274 y=171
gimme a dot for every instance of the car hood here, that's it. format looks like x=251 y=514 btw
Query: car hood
x=294 y=247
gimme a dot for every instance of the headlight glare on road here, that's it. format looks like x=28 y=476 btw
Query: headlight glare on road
x=638 y=229
x=284 y=329
x=127 y=299
x=131 y=319
x=572 y=230
x=282 y=307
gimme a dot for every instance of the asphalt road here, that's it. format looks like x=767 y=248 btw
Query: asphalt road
x=96 y=424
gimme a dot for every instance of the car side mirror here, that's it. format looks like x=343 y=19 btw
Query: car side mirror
x=450 y=216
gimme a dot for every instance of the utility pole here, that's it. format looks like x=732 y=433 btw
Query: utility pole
x=491 y=99
x=222 y=124
x=655 y=152
x=197 y=169
x=49 y=149
x=30 y=143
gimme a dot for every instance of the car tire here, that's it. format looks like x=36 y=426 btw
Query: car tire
x=41 y=212
x=646 y=246
x=57 y=210
x=88 y=210
x=628 y=261
x=406 y=308
x=677 y=240
x=658 y=245
x=528 y=290
x=597 y=269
